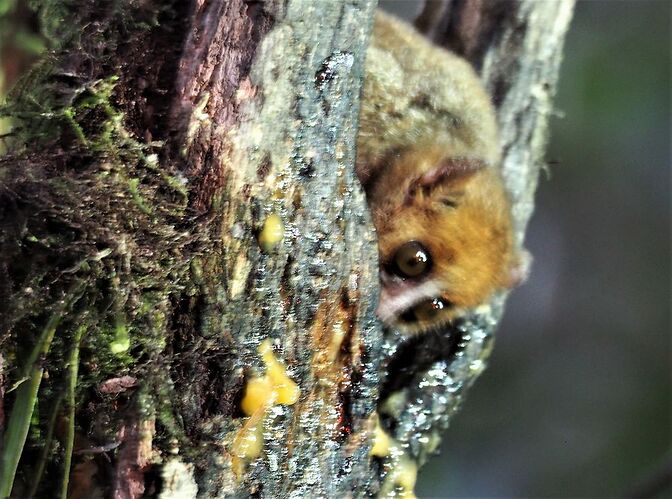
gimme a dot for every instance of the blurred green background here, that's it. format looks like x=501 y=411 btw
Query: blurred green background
x=576 y=401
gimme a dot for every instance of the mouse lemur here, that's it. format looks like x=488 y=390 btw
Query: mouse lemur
x=428 y=156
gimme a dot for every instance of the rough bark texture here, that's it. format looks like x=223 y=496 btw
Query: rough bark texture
x=180 y=187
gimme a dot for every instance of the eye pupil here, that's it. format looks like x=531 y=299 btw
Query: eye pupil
x=412 y=260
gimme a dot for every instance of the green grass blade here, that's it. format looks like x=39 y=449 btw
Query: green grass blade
x=26 y=396
x=73 y=369
x=22 y=411
x=17 y=430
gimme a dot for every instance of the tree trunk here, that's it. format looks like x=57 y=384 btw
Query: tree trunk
x=179 y=189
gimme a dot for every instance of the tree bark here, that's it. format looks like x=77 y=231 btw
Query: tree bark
x=180 y=188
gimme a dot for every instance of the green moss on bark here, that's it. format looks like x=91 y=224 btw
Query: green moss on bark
x=88 y=199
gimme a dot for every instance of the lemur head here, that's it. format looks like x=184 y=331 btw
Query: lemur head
x=445 y=242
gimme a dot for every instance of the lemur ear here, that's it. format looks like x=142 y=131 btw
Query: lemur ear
x=454 y=168
x=519 y=270
x=446 y=171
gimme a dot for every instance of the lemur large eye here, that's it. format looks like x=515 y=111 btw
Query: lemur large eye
x=412 y=260
x=428 y=310
x=425 y=311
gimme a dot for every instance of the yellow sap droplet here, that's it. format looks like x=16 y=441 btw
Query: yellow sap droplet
x=258 y=393
x=261 y=393
x=381 y=441
x=286 y=391
x=402 y=470
x=251 y=441
x=406 y=475
x=248 y=444
x=271 y=233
